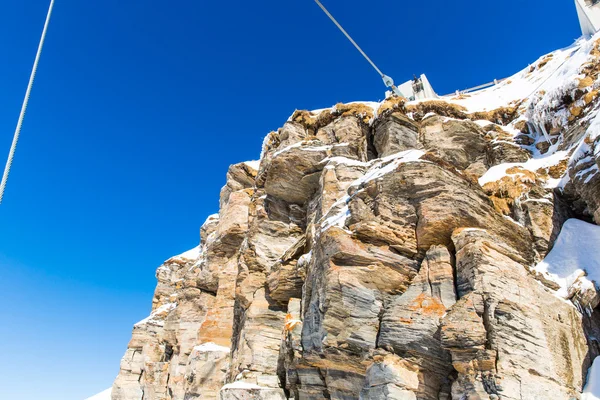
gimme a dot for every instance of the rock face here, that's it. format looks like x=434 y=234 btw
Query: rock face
x=384 y=257
x=503 y=338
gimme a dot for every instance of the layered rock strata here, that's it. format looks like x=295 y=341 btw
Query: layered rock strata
x=377 y=253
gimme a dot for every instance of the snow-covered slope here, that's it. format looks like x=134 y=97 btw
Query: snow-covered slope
x=558 y=69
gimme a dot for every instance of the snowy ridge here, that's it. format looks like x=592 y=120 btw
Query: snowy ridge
x=548 y=71
x=191 y=254
x=159 y=312
x=212 y=218
x=253 y=164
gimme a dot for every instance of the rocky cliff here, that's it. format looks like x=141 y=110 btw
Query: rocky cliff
x=394 y=250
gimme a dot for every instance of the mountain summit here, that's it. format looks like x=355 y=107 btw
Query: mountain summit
x=433 y=249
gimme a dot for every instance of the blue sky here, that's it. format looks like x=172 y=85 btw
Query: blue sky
x=139 y=108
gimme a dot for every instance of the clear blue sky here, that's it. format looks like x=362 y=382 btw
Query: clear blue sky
x=139 y=108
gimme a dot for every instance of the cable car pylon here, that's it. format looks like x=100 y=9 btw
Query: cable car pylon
x=17 y=133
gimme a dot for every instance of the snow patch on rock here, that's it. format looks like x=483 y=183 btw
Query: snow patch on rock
x=499 y=171
x=253 y=164
x=211 y=347
x=241 y=385
x=339 y=212
x=574 y=262
x=191 y=254
x=159 y=312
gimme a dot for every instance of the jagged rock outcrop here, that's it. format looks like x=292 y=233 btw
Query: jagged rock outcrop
x=386 y=252
x=503 y=337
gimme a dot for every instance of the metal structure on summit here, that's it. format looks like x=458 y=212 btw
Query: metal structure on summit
x=17 y=133
x=588 y=12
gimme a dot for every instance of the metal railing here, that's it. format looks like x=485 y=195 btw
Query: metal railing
x=475 y=88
